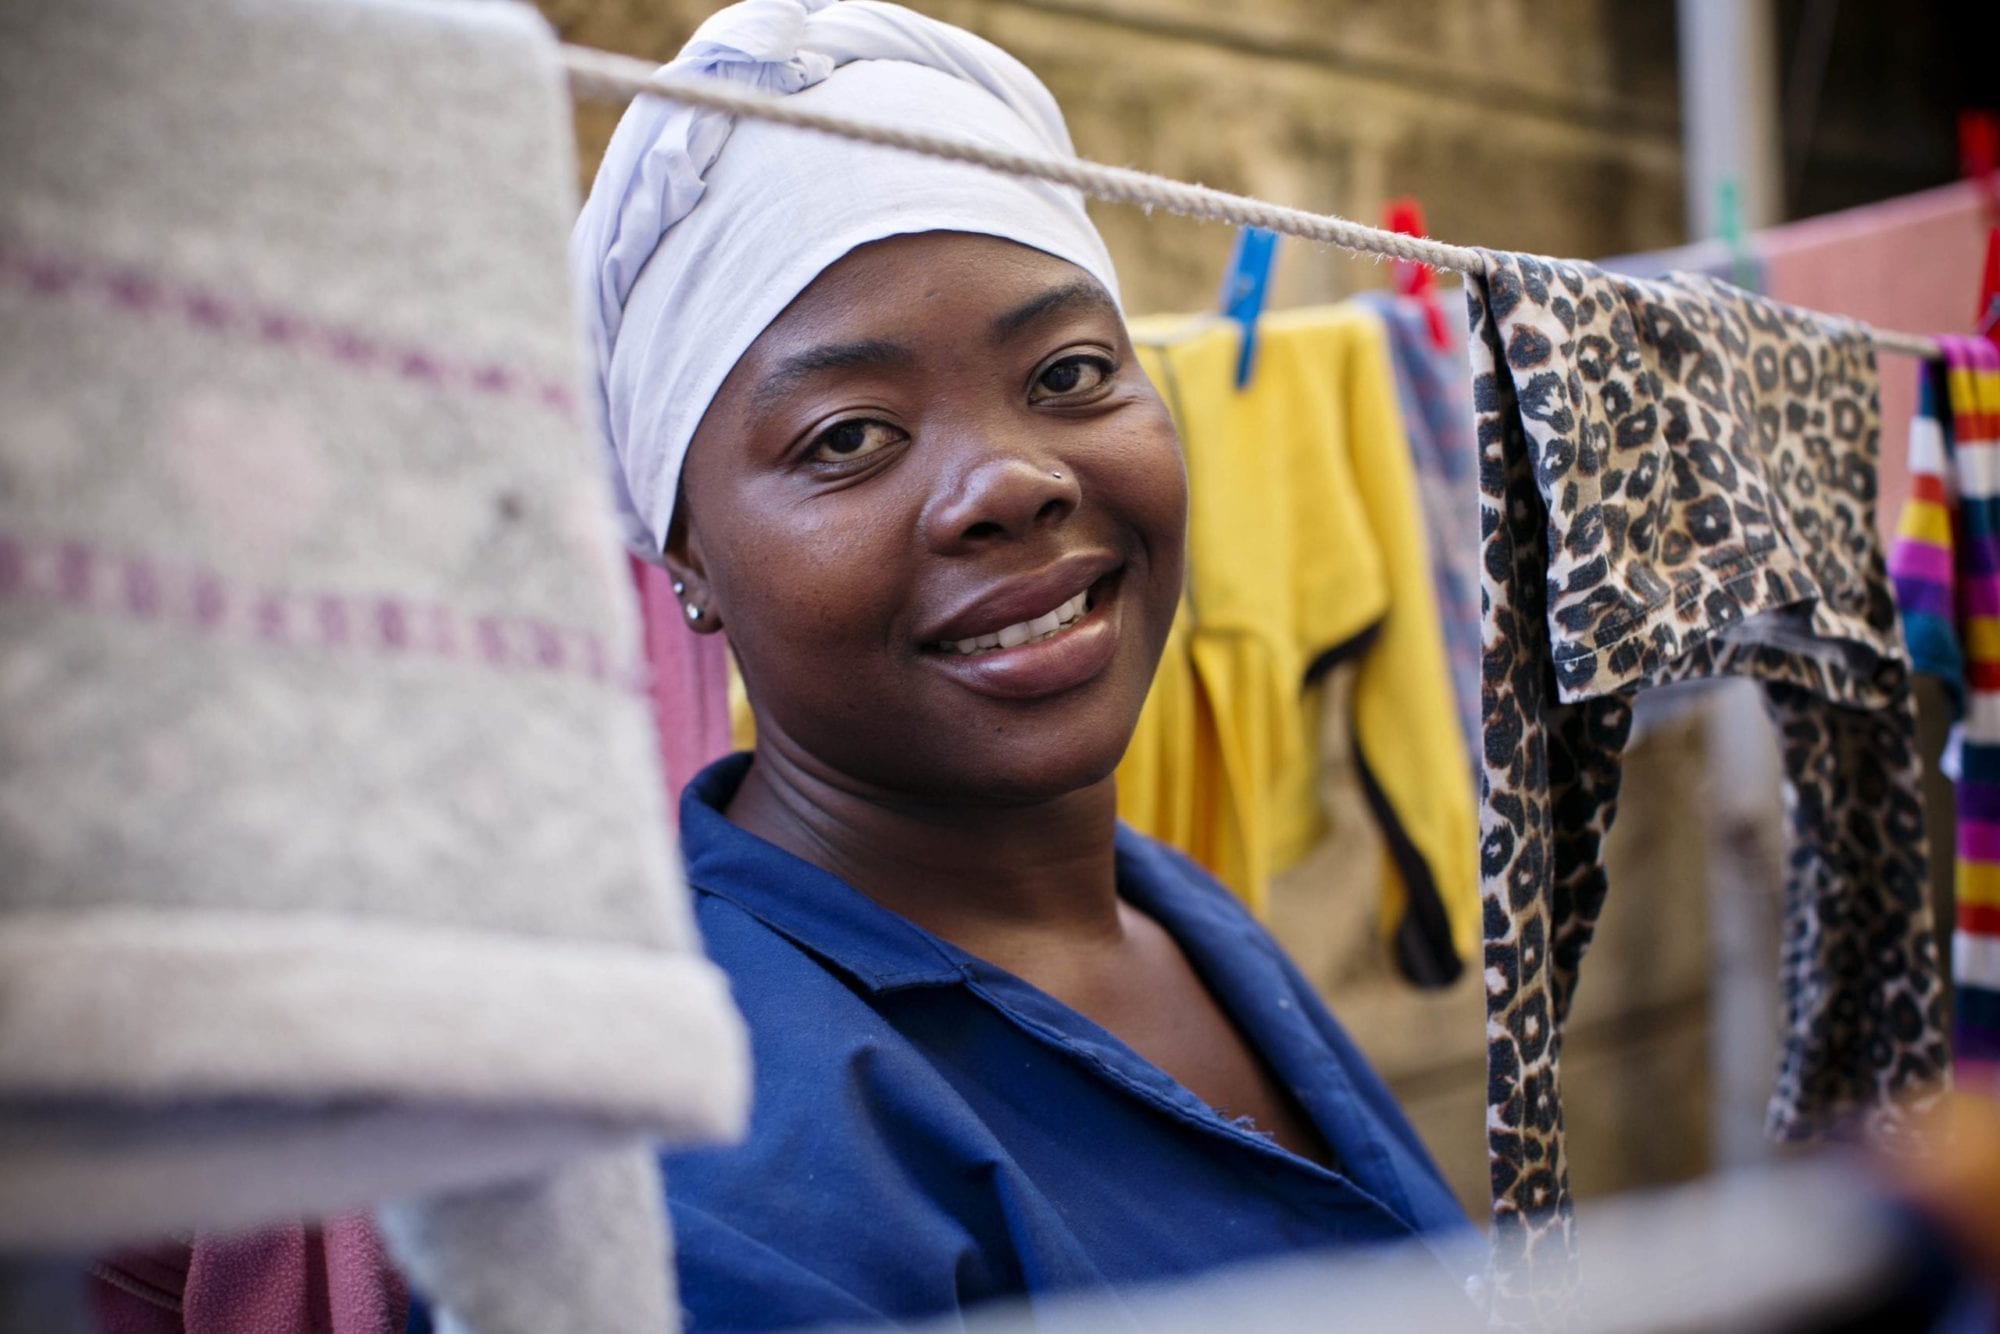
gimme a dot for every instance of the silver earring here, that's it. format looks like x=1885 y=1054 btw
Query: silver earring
x=694 y=612
x=679 y=588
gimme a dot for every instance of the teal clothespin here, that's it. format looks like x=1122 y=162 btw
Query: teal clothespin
x=1243 y=291
x=1729 y=222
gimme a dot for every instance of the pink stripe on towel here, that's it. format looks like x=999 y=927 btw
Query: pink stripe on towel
x=145 y=294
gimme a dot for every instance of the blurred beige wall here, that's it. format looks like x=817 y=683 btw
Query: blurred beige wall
x=1547 y=126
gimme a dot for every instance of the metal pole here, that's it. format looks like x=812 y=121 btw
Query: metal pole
x=1734 y=160
x=1729 y=112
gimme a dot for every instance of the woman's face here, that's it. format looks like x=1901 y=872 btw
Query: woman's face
x=940 y=511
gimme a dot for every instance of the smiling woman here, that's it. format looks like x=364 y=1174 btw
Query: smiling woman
x=882 y=420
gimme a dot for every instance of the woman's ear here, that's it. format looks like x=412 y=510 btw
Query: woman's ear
x=690 y=576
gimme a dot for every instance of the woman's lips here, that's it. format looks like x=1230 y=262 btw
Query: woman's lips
x=1061 y=661
x=1000 y=604
x=1048 y=624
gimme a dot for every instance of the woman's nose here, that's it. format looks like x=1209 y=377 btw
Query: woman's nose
x=1000 y=495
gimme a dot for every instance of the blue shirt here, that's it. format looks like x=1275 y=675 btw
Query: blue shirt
x=930 y=1131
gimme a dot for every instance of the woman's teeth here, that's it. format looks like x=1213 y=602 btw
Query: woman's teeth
x=1025 y=632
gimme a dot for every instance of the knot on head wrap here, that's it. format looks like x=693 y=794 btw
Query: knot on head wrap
x=699 y=232
x=761 y=43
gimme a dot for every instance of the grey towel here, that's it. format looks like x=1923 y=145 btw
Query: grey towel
x=336 y=866
x=520 y=1256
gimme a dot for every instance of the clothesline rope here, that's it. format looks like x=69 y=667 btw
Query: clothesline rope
x=606 y=76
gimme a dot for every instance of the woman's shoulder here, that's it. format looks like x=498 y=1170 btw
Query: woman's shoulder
x=822 y=999
x=845 y=1108
x=779 y=981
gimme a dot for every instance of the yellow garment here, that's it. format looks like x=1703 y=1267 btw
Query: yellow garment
x=742 y=722
x=1304 y=548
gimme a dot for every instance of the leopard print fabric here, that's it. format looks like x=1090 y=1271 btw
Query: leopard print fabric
x=1677 y=480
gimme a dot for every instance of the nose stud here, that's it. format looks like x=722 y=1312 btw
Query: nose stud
x=1056 y=475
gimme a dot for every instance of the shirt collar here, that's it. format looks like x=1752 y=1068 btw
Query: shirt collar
x=879 y=949
x=816 y=910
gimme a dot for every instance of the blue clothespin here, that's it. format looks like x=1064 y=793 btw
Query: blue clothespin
x=1244 y=288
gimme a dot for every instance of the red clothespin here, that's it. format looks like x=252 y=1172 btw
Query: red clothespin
x=1979 y=154
x=1406 y=215
x=1986 y=320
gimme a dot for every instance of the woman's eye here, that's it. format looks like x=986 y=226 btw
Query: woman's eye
x=854 y=439
x=1071 y=375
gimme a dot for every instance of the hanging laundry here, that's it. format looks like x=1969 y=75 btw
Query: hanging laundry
x=1900 y=264
x=1677 y=481
x=687 y=681
x=334 y=1278
x=330 y=1278
x=337 y=867
x=1946 y=565
x=1305 y=549
x=1740 y=266
x=1431 y=389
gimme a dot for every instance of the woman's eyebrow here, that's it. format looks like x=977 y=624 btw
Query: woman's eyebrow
x=1081 y=292
x=801 y=365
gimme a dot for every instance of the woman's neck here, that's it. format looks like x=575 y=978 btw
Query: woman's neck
x=984 y=877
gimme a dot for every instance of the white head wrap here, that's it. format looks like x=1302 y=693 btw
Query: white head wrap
x=699 y=232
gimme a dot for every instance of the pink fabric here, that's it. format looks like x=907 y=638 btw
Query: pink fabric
x=1911 y=264
x=328 y=1279
x=690 y=680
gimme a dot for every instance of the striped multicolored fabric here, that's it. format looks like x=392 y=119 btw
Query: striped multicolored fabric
x=1946 y=567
